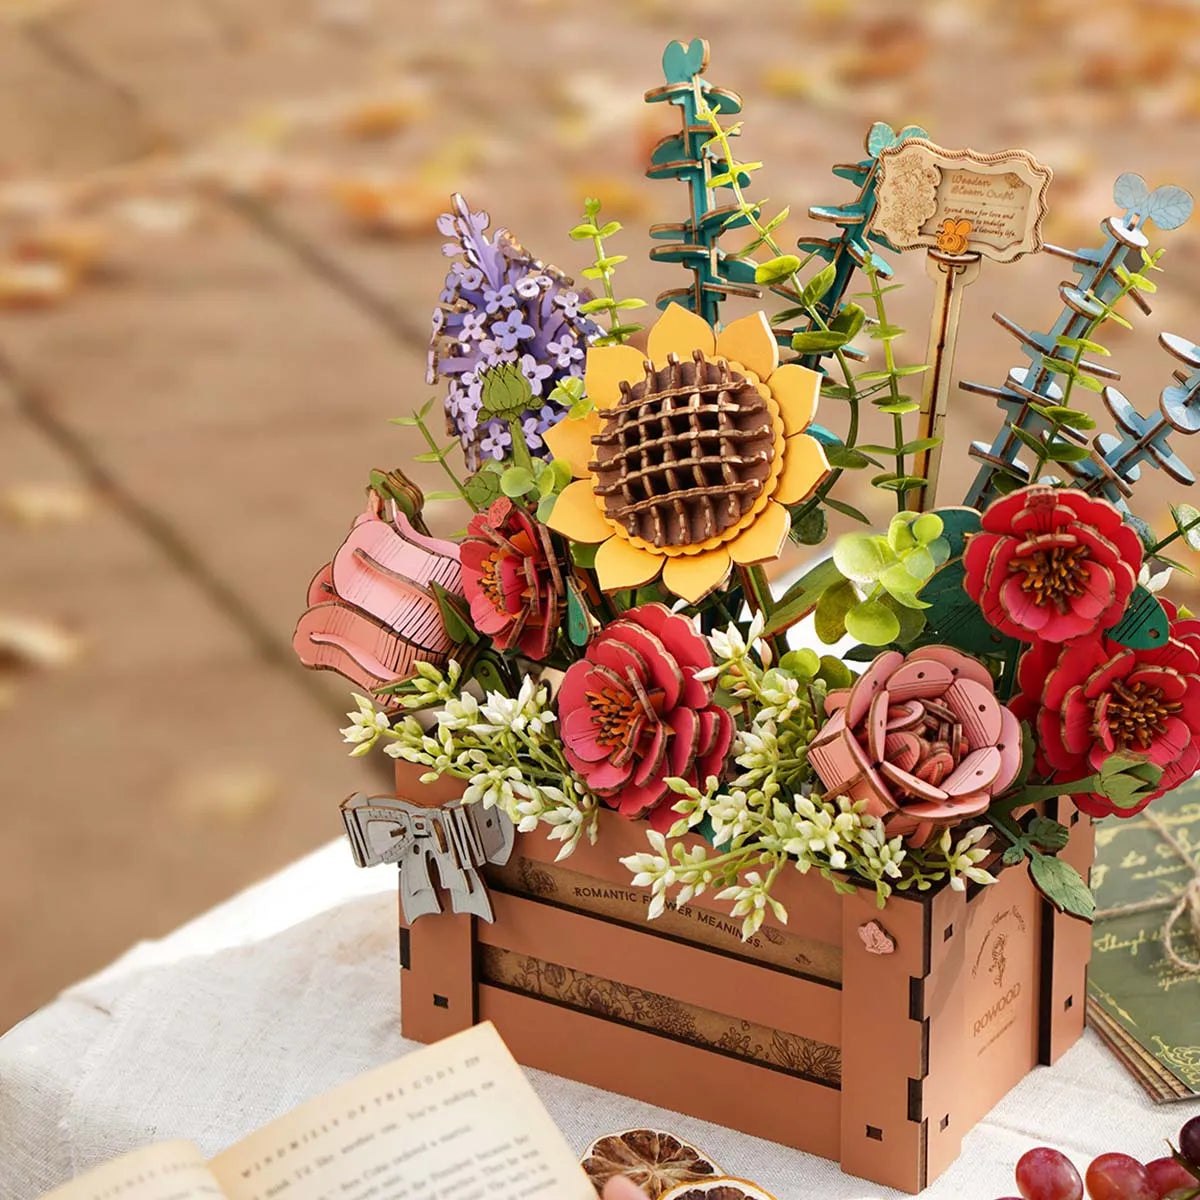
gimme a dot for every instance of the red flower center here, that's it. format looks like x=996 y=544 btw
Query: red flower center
x=1135 y=713
x=622 y=713
x=1055 y=568
x=489 y=580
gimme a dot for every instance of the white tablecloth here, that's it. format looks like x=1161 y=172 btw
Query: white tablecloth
x=291 y=988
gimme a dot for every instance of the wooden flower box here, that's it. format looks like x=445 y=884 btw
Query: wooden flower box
x=874 y=1038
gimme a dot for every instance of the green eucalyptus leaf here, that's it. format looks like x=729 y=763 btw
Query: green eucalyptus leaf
x=829 y=619
x=927 y=527
x=861 y=556
x=872 y=623
x=517 y=481
x=849 y=320
x=834 y=672
x=848 y=458
x=912 y=622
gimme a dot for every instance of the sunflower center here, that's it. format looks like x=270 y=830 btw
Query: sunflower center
x=1054 y=574
x=685 y=453
x=1137 y=713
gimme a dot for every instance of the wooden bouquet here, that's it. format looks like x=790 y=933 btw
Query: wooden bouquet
x=602 y=654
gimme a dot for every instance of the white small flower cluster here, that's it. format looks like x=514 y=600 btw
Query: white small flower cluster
x=689 y=870
x=500 y=746
x=962 y=862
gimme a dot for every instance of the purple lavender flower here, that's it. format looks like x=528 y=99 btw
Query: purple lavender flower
x=501 y=305
x=496 y=440
x=535 y=372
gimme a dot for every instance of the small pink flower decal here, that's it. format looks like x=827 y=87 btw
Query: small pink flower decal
x=922 y=738
x=1051 y=564
x=1094 y=697
x=512 y=580
x=633 y=714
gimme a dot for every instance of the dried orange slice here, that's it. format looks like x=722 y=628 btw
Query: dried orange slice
x=657 y=1162
x=724 y=1187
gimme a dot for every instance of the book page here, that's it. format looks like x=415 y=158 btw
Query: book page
x=457 y=1120
x=166 y=1171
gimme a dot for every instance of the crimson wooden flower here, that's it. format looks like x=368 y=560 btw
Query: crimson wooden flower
x=1094 y=697
x=512 y=580
x=1052 y=564
x=922 y=739
x=633 y=714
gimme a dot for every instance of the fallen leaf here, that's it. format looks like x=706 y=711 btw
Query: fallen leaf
x=35 y=284
x=392 y=207
x=77 y=246
x=35 y=643
x=37 y=504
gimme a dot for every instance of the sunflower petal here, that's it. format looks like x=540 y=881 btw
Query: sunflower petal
x=749 y=341
x=576 y=514
x=606 y=367
x=692 y=576
x=796 y=390
x=763 y=541
x=571 y=441
x=804 y=466
x=679 y=331
x=621 y=565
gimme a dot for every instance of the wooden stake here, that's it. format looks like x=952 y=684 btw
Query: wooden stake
x=952 y=273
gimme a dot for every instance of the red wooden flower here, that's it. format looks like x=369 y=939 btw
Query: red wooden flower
x=1094 y=697
x=922 y=739
x=1052 y=564
x=633 y=714
x=512 y=580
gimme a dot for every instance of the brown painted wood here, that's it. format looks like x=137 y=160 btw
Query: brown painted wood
x=768 y=1104
x=437 y=987
x=670 y=968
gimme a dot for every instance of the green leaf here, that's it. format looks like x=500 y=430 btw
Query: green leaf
x=861 y=556
x=429 y=456
x=847 y=510
x=1144 y=623
x=610 y=229
x=583 y=555
x=1082 y=345
x=600 y=304
x=1012 y=855
x=899 y=408
x=546 y=507
x=1030 y=440
x=1048 y=834
x=849 y=320
x=834 y=672
x=802 y=596
x=482 y=488
x=516 y=481
x=848 y=458
x=1065 y=452
x=1187 y=521
x=411 y=422
x=872 y=623
x=897 y=483
x=928 y=526
x=912 y=622
x=885 y=333
x=583 y=231
x=829 y=620
x=1063 y=886
x=1090 y=383
x=811 y=528
x=455 y=615
x=816 y=341
x=775 y=270
x=438 y=497
x=818 y=285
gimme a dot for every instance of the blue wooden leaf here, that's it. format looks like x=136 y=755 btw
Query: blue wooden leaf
x=1169 y=206
x=879 y=137
x=681 y=63
x=1130 y=192
x=1144 y=624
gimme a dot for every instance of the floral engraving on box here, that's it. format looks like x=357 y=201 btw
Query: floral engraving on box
x=788 y=1052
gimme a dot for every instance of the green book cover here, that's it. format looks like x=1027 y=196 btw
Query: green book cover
x=1130 y=981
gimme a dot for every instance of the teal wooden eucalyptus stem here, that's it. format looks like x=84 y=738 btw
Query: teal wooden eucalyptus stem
x=692 y=243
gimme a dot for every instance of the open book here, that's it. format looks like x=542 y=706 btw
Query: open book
x=457 y=1120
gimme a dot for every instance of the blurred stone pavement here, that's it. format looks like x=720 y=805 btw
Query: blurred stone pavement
x=238 y=204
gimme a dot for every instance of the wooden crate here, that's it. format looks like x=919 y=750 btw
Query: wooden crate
x=879 y=1061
